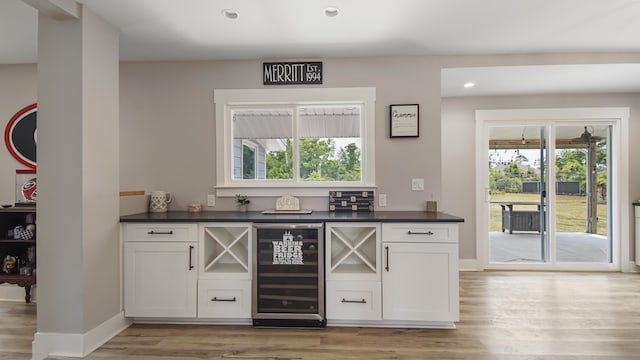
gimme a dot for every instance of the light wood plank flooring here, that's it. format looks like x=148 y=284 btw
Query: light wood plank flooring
x=504 y=315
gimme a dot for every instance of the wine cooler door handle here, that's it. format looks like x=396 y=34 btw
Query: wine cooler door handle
x=386 y=250
x=152 y=232
x=190 y=257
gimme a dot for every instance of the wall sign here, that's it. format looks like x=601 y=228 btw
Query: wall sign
x=292 y=73
x=20 y=135
x=404 y=120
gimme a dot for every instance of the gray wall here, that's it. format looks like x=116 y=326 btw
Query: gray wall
x=458 y=127
x=167 y=119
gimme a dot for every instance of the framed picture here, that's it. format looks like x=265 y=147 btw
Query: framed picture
x=26 y=188
x=404 y=120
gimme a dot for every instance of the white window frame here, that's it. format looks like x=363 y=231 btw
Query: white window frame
x=224 y=99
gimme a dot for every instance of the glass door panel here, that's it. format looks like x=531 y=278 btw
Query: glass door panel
x=581 y=173
x=517 y=189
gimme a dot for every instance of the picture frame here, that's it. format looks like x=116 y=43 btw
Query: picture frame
x=404 y=120
x=26 y=187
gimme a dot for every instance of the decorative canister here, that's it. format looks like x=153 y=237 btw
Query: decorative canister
x=159 y=201
x=195 y=208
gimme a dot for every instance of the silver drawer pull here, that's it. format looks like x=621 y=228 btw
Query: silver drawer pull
x=419 y=233
x=363 y=301
x=229 y=300
x=152 y=232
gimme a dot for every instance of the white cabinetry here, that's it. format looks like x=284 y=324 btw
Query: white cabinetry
x=353 y=271
x=637 y=212
x=420 y=275
x=224 y=285
x=160 y=270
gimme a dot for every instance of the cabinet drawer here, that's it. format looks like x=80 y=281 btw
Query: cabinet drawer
x=410 y=232
x=224 y=299
x=160 y=232
x=353 y=300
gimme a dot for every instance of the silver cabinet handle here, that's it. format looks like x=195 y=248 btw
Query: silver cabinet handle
x=152 y=232
x=363 y=301
x=419 y=233
x=229 y=300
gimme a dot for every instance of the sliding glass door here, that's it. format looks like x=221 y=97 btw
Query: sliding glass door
x=548 y=195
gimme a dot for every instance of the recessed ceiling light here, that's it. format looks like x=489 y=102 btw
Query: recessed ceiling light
x=230 y=14
x=469 y=85
x=331 y=11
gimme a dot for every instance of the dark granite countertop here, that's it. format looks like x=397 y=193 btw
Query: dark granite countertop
x=316 y=216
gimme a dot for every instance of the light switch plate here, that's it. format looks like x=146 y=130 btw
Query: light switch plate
x=211 y=200
x=417 y=184
x=382 y=200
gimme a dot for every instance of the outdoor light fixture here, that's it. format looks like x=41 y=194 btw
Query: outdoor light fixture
x=586 y=137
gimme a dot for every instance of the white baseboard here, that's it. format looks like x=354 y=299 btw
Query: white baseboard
x=474 y=265
x=77 y=345
x=468 y=265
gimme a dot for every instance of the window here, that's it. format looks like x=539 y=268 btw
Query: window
x=298 y=138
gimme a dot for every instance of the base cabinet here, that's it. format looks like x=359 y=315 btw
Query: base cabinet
x=377 y=274
x=420 y=274
x=417 y=283
x=223 y=299
x=224 y=285
x=160 y=271
x=353 y=300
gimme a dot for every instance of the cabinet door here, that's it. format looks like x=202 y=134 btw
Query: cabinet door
x=160 y=279
x=420 y=282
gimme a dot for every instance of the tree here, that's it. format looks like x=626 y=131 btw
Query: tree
x=571 y=165
x=349 y=159
x=280 y=163
x=315 y=157
x=319 y=161
x=513 y=171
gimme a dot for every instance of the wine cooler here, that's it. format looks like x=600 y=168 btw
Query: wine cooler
x=288 y=275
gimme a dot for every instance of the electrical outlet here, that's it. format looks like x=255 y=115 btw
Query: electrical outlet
x=211 y=200
x=417 y=184
x=382 y=200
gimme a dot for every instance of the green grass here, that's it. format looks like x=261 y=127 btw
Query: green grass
x=571 y=211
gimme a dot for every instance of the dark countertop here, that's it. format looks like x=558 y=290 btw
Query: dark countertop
x=316 y=216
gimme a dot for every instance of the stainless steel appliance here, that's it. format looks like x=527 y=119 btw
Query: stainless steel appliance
x=288 y=275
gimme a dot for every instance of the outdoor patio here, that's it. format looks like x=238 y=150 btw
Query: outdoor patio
x=525 y=247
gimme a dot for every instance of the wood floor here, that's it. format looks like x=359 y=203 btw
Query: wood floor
x=504 y=315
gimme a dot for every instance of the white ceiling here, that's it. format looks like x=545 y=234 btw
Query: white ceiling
x=157 y=30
